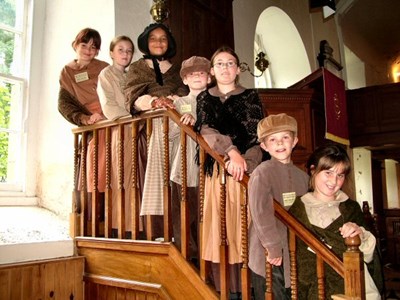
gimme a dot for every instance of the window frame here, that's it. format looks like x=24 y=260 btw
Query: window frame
x=24 y=30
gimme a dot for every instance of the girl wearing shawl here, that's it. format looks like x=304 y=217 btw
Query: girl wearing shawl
x=227 y=118
x=328 y=212
x=154 y=82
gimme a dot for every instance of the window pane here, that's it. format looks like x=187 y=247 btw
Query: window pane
x=10 y=105
x=10 y=152
x=10 y=53
x=10 y=130
x=11 y=13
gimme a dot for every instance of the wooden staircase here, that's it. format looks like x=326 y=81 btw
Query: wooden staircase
x=140 y=269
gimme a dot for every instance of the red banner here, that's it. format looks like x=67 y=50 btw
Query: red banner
x=335 y=109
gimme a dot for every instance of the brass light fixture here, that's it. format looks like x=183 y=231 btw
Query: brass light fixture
x=261 y=64
x=159 y=10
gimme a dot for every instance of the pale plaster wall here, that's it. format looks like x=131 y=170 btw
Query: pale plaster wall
x=312 y=29
x=355 y=70
x=392 y=190
x=363 y=175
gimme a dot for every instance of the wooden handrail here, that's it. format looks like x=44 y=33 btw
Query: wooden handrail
x=353 y=286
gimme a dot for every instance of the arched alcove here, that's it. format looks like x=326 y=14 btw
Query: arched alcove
x=277 y=36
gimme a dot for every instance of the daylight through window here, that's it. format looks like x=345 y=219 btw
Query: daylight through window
x=12 y=89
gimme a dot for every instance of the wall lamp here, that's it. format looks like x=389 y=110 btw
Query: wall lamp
x=261 y=64
x=159 y=10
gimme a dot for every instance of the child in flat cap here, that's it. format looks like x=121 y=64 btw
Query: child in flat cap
x=195 y=73
x=278 y=179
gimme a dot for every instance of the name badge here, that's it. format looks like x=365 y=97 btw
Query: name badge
x=288 y=198
x=186 y=108
x=81 y=77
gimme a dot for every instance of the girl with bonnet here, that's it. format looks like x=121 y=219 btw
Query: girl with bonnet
x=153 y=82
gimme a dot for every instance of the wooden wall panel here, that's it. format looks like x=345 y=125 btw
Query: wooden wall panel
x=374 y=115
x=49 y=279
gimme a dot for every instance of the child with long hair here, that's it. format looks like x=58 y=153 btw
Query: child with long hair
x=328 y=212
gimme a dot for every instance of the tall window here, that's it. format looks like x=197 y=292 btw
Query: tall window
x=13 y=75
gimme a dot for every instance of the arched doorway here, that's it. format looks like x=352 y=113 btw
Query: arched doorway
x=277 y=36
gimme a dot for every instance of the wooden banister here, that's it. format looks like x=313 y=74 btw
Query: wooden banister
x=351 y=269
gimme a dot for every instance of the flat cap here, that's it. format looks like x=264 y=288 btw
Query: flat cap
x=195 y=64
x=276 y=123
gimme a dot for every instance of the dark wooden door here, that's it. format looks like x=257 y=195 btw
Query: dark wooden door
x=200 y=26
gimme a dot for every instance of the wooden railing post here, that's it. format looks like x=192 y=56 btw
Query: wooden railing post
x=224 y=255
x=135 y=204
x=84 y=195
x=353 y=260
x=121 y=190
x=245 y=271
x=184 y=203
x=108 y=191
x=293 y=264
x=166 y=188
x=204 y=266
x=268 y=279
x=95 y=191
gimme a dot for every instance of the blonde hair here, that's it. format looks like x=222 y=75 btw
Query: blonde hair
x=119 y=38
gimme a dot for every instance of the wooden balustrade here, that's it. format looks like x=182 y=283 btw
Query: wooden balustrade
x=351 y=269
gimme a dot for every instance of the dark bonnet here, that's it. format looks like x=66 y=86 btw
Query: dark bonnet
x=144 y=37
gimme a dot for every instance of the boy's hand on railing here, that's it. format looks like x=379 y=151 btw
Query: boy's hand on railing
x=187 y=119
x=236 y=165
x=277 y=261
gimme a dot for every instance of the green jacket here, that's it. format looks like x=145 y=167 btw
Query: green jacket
x=306 y=260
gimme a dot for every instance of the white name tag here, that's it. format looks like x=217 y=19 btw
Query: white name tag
x=288 y=198
x=81 y=77
x=186 y=108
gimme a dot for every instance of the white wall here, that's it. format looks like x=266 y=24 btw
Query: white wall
x=363 y=176
x=355 y=70
x=392 y=190
x=312 y=29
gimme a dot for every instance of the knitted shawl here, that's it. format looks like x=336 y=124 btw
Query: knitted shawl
x=141 y=80
x=236 y=117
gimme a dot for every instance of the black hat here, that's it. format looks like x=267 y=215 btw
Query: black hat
x=143 y=40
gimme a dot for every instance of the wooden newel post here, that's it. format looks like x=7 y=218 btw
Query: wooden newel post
x=353 y=260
